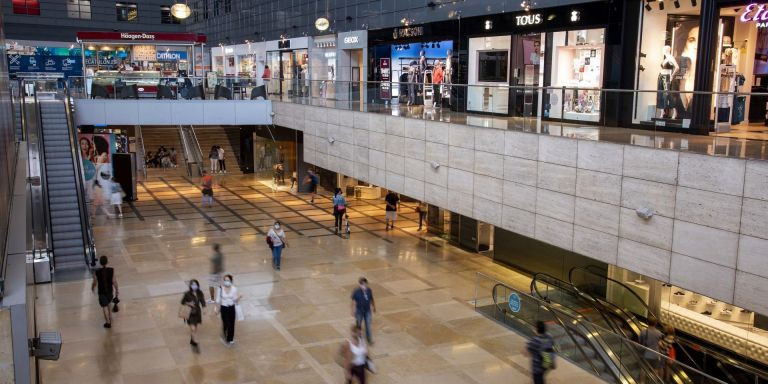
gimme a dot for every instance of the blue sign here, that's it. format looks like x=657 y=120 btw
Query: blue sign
x=68 y=65
x=514 y=302
x=171 y=55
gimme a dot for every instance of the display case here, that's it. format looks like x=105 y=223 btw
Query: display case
x=145 y=81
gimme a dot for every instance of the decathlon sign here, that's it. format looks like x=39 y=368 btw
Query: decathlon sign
x=528 y=19
x=171 y=56
x=756 y=13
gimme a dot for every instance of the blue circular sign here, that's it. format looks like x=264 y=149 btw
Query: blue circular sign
x=514 y=302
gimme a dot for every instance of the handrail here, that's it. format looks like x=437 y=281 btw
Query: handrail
x=567 y=329
x=185 y=149
x=43 y=170
x=721 y=357
x=143 y=150
x=85 y=217
x=199 y=150
x=630 y=343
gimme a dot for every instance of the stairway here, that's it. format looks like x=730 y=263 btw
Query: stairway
x=225 y=137
x=69 y=247
x=168 y=137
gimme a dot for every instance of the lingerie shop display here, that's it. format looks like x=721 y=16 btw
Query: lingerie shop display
x=669 y=68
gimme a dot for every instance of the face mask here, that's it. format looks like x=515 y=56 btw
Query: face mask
x=277 y=226
x=227 y=283
x=194 y=287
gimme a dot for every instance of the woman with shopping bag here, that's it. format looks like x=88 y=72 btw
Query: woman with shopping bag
x=227 y=303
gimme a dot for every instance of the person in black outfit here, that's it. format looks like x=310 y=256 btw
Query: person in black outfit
x=392 y=201
x=194 y=298
x=104 y=278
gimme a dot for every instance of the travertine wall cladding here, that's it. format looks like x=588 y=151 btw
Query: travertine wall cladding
x=709 y=232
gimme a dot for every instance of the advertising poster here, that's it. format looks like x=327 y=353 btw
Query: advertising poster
x=96 y=154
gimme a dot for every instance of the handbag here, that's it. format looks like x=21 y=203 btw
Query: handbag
x=239 y=315
x=114 y=307
x=185 y=311
x=341 y=207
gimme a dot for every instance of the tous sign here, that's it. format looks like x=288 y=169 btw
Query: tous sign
x=756 y=13
x=528 y=19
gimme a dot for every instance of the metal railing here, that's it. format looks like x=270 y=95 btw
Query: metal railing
x=492 y=299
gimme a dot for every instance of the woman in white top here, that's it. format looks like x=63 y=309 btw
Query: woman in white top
x=225 y=303
x=276 y=242
x=355 y=356
x=222 y=165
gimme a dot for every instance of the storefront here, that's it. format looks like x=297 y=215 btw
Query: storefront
x=563 y=47
x=138 y=57
x=351 y=65
x=322 y=66
x=288 y=62
x=244 y=61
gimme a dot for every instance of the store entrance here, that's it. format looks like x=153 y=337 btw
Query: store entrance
x=527 y=60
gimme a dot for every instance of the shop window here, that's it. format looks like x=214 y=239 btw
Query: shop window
x=667 y=62
x=79 y=9
x=205 y=9
x=227 y=6
x=216 y=6
x=166 y=17
x=26 y=7
x=492 y=66
x=578 y=57
x=127 y=11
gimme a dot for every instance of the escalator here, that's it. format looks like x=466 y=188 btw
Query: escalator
x=625 y=303
x=69 y=221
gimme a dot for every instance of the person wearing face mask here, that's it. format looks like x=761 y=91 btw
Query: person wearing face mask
x=276 y=242
x=226 y=302
x=196 y=300
x=363 y=306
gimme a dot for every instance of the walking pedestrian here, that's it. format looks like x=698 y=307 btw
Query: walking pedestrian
x=213 y=156
x=339 y=210
x=227 y=300
x=392 y=201
x=355 y=353
x=276 y=242
x=217 y=268
x=206 y=185
x=195 y=299
x=363 y=307
x=294 y=179
x=421 y=209
x=116 y=197
x=541 y=348
x=312 y=180
x=105 y=280
x=222 y=164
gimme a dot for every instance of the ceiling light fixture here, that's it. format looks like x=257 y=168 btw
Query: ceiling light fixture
x=648 y=6
x=676 y=3
x=693 y=3
x=181 y=10
x=661 y=5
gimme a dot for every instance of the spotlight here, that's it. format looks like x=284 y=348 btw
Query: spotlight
x=676 y=3
x=575 y=16
x=488 y=25
x=661 y=5
x=648 y=6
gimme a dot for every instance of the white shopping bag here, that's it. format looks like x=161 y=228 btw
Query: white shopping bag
x=239 y=315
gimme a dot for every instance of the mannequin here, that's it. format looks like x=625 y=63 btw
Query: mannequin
x=683 y=79
x=668 y=69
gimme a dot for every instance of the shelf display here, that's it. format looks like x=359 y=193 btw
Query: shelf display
x=582 y=77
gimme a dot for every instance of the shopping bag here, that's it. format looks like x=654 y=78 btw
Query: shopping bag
x=239 y=315
x=185 y=311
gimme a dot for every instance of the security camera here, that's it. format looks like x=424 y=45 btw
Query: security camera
x=435 y=165
x=644 y=212
x=331 y=140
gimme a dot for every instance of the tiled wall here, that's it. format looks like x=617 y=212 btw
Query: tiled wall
x=709 y=231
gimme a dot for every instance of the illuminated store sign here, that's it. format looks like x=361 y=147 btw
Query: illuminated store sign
x=533 y=19
x=756 y=13
x=398 y=33
x=351 y=40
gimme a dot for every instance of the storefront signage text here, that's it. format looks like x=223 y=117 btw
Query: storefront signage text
x=351 y=40
x=144 y=52
x=136 y=36
x=398 y=33
x=756 y=13
x=171 y=56
x=533 y=19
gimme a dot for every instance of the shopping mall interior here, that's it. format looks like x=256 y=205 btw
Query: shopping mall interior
x=316 y=191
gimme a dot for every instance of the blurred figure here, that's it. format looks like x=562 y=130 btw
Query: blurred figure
x=541 y=348
x=355 y=353
x=206 y=185
x=217 y=268
x=363 y=307
x=104 y=279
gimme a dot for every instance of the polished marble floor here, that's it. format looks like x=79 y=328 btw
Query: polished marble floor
x=426 y=330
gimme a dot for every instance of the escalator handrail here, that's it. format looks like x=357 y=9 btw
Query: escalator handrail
x=143 y=150
x=197 y=146
x=762 y=374
x=85 y=217
x=184 y=149
x=567 y=329
x=600 y=275
x=634 y=344
x=43 y=170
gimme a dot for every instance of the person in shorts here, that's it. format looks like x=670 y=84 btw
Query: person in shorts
x=217 y=268
x=312 y=180
x=392 y=201
x=206 y=185
x=104 y=279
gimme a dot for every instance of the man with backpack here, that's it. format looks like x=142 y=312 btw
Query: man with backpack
x=542 y=350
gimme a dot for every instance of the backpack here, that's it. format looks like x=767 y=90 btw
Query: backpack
x=547 y=354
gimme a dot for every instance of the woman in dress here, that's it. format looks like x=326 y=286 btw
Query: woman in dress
x=194 y=299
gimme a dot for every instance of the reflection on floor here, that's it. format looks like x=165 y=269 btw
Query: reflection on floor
x=425 y=331
x=752 y=145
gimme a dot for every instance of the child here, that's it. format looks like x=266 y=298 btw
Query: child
x=346 y=224
x=116 y=197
